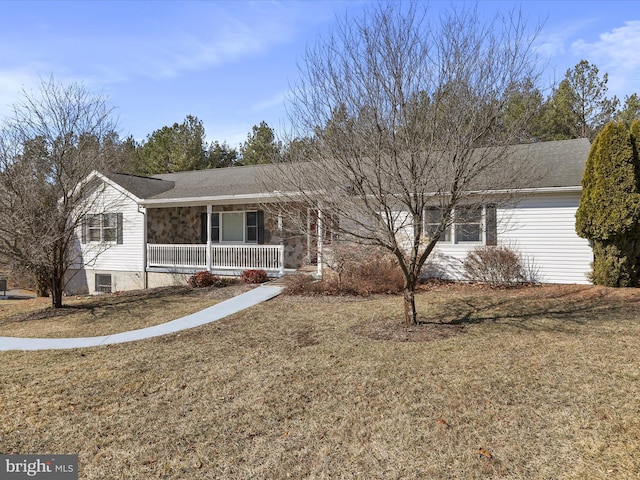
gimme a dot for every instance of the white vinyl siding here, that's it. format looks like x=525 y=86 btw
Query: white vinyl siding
x=542 y=229
x=112 y=256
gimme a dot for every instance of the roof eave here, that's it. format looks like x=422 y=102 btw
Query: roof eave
x=210 y=200
x=530 y=190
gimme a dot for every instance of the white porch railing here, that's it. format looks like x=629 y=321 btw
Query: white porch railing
x=231 y=257
x=177 y=256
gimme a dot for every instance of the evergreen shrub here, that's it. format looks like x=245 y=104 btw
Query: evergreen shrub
x=609 y=211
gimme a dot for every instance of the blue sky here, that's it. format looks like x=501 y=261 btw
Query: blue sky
x=232 y=63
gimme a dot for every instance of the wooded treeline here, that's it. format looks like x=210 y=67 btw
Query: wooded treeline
x=577 y=107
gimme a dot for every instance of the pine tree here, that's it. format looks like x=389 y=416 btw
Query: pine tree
x=579 y=106
x=261 y=146
x=630 y=110
x=175 y=149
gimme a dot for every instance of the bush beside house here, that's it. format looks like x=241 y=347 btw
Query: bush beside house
x=609 y=211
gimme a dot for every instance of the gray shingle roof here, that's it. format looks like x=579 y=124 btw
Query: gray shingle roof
x=558 y=164
x=215 y=182
x=141 y=187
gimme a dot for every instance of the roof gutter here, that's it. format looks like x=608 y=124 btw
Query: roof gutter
x=532 y=190
x=277 y=196
x=213 y=200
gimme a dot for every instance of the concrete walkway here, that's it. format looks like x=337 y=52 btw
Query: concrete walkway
x=208 y=315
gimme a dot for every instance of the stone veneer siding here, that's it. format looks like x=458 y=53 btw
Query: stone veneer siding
x=181 y=225
x=175 y=225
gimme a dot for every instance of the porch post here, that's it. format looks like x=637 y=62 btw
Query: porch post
x=320 y=233
x=281 y=251
x=309 y=237
x=208 y=253
x=281 y=271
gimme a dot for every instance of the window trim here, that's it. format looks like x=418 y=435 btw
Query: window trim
x=217 y=227
x=102 y=286
x=447 y=232
x=109 y=222
x=488 y=214
x=459 y=226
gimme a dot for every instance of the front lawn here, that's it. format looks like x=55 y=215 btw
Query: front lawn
x=537 y=383
x=88 y=316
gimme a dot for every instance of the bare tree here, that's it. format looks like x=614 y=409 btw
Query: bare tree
x=406 y=112
x=48 y=147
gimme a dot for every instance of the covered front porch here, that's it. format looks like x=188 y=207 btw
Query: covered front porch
x=216 y=258
x=225 y=239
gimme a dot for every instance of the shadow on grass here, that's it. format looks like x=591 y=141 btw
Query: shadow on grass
x=102 y=302
x=576 y=306
x=554 y=309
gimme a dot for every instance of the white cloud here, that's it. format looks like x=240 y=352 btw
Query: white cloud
x=12 y=83
x=218 y=37
x=554 y=41
x=616 y=53
x=620 y=46
x=275 y=101
x=174 y=41
x=550 y=45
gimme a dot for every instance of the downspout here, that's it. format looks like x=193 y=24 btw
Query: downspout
x=145 y=280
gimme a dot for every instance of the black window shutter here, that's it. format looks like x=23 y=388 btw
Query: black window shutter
x=83 y=227
x=203 y=227
x=260 y=227
x=491 y=225
x=119 y=239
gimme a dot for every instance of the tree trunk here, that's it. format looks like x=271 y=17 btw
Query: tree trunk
x=57 y=287
x=410 y=315
x=42 y=286
x=56 y=295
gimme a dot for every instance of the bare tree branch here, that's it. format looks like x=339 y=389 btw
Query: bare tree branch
x=405 y=111
x=48 y=147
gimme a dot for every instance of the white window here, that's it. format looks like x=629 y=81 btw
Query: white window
x=470 y=225
x=102 y=227
x=234 y=227
x=103 y=283
x=433 y=218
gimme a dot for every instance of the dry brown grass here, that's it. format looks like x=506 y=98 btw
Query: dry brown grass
x=106 y=314
x=535 y=383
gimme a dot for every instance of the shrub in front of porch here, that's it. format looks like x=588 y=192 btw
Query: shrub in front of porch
x=254 y=276
x=352 y=270
x=206 y=279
